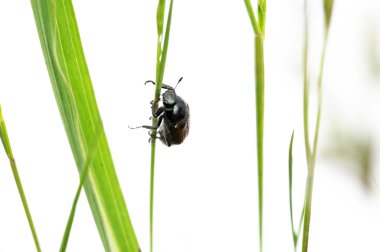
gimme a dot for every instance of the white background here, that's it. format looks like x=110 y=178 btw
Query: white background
x=206 y=188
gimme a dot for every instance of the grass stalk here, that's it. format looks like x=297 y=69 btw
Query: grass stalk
x=259 y=49
x=8 y=150
x=160 y=70
x=311 y=154
x=259 y=31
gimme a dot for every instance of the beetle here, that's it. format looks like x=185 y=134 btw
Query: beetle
x=173 y=117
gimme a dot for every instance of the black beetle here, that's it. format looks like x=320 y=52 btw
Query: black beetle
x=173 y=117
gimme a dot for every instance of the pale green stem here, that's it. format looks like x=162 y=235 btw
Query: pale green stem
x=311 y=154
x=7 y=147
x=259 y=70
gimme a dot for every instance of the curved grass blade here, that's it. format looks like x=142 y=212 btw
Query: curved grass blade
x=71 y=82
x=160 y=70
x=290 y=158
x=83 y=177
x=294 y=232
x=8 y=150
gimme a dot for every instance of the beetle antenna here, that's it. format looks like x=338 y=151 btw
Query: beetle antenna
x=180 y=79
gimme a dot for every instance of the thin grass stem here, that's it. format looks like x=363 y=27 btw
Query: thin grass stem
x=7 y=147
x=259 y=31
x=259 y=49
x=160 y=70
x=83 y=177
x=290 y=166
x=312 y=153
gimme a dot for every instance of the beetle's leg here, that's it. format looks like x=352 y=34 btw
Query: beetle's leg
x=153 y=137
x=159 y=121
x=143 y=126
x=166 y=139
x=159 y=111
x=150 y=81
x=152 y=102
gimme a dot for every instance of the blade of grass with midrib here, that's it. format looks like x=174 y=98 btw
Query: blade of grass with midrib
x=70 y=79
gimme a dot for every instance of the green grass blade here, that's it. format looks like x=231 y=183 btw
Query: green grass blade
x=83 y=177
x=290 y=159
x=262 y=9
x=259 y=29
x=70 y=79
x=290 y=165
x=251 y=15
x=160 y=70
x=306 y=86
x=8 y=150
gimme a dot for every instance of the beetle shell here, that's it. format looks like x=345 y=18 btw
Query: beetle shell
x=175 y=133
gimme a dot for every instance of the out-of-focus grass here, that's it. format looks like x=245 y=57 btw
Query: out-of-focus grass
x=311 y=149
x=8 y=150
x=355 y=150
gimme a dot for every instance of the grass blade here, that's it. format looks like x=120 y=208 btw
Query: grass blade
x=290 y=158
x=311 y=154
x=251 y=15
x=8 y=150
x=160 y=70
x=290 y=164
x=262 y=9
x=71 y=82
x=259 y=29
x=83 y=177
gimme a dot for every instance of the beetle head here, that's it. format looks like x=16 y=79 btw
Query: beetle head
x=169 y=98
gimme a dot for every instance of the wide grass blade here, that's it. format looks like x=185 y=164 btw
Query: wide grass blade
x=8 y=150
x=259 y=30
x=160 y=70
x=70 y=79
